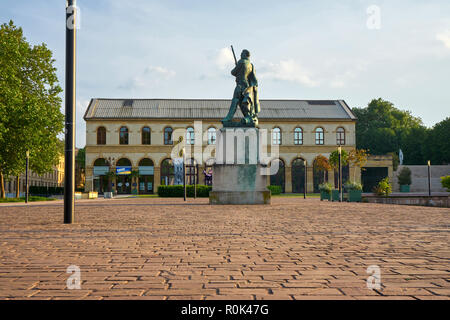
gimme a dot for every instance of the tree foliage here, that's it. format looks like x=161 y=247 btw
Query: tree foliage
x=382 y=128
x=334 y=158
x=30 y=116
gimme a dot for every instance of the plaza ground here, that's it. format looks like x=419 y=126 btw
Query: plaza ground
x=154 y=248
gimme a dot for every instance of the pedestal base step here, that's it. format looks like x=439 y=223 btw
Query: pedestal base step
x=239 y=197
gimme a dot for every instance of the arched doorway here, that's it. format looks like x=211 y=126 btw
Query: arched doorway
x=146 y=176
x=278 y=179
x=298 y=175
x=167 y=172
x=123 y=176
x=101 y=181
x=319 y=176
x=191 y=172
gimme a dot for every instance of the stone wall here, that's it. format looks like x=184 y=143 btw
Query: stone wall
x=419 y=178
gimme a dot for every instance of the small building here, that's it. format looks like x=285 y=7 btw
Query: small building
x=129 y=142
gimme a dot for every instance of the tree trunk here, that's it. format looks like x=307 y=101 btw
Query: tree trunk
x=17 y=187
x=2 y=186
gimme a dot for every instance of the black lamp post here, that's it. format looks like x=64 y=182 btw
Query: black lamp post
x=340 y=174
x=26 y=176
x=304 y=180
x=70 y=100
x=195 y=180
x=184 y=173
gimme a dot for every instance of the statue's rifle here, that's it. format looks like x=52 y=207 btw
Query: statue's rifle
x=234 y=55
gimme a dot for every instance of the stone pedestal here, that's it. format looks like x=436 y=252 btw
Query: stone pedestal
x=238 y=175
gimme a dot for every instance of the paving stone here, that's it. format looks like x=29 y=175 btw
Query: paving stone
x=156 y=248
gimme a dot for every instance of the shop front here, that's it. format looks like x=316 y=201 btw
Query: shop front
x=146 y=176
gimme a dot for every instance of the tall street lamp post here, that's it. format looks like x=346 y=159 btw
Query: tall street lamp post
x=184 y=173
x=70 y=100
x=340 y=174
x=26 y=175
x=304 y=180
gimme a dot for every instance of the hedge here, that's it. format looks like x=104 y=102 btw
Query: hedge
x=178 y=191
x=48 y=191
x=275 y=189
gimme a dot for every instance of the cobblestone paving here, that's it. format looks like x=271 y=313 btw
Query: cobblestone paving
x=167 y=249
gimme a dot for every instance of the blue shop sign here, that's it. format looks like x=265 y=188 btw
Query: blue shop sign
x=123 y=170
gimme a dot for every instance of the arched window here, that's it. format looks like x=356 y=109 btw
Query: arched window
x=123 y=135
x=319 y=136
x=212 y=136
x=101 y=135
x=190 y=136
x=100 y=163
x=123 y=162
x=298 y=173
x=340 y=136
x=146 y=135
x=298 y=136
x=168 y=135
x=146 y=162
x=276 y=136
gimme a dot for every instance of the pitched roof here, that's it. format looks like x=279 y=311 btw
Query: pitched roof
x=214 y=109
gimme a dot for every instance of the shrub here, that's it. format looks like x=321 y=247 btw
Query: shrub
x=445 y=181
x=404 y=177
x=274 y=190
x=384 y=187
x=349 y=185
x=326 y=187
x=46 y=191
x=178 y=191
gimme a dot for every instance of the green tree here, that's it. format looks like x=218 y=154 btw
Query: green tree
x=382 y=128
x=29 y=105
x=334 y=158
x=438 y=143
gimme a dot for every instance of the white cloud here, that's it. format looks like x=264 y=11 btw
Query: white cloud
x=149 y=77
x=224 y=59
x=287 y=70
x=160 y=71
x=444 y=37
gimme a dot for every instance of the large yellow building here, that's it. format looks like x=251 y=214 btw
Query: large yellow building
x=129 y=142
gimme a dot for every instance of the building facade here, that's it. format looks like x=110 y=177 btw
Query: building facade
x=130 y=142
x=54 y=178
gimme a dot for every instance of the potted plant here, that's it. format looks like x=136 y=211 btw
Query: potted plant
x=354 y=191
x=383 y=188
x=445 y=181
x=325 y=190
x=404 y=179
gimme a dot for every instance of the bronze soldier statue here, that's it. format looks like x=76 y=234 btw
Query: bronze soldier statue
x=245 y=94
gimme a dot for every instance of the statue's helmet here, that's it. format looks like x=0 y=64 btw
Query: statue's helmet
x=245 y=54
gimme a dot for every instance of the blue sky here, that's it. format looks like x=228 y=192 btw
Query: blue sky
x=301 y=49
